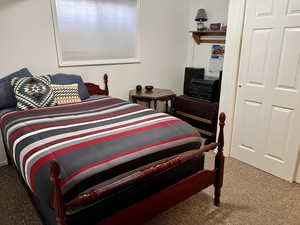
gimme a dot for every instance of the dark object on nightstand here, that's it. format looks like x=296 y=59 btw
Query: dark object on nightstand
x=155 y=95
x=138 y=88
x=195 y=85
x=190 y=74
x=199 y=105
x=149 y=88
x=206 y=90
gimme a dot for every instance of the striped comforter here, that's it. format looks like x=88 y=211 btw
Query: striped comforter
x=105 y=136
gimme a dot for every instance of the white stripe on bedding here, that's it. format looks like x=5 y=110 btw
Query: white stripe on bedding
x=22 y=137
x=65 y=135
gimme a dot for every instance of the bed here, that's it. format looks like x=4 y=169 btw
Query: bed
x=107 y=161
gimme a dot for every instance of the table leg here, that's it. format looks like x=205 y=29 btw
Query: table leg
x=149 y=104
x=167 y=106
x=155 y=105
x=134 y=100
x=172 y=104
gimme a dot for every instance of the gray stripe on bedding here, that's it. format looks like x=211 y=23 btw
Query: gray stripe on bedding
x=33 y=115
x=70 y=117
x=127 y=158
x=38 y=155
x=22 y=147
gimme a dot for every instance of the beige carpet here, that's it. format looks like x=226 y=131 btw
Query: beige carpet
x=249 y=197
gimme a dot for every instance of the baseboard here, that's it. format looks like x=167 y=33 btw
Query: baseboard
x=4 y=163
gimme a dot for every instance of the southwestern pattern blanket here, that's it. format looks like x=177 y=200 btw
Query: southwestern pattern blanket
x=106 y=136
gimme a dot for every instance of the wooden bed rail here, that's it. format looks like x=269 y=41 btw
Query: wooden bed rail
x=188 y=186
x=91 y=196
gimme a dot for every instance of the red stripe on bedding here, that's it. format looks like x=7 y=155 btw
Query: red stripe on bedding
x=83 y=134
x=57 y=107
x=64 y=181
x=13 y=137
x=53 y=155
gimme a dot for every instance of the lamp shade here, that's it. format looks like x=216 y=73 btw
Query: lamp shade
x=201 y=15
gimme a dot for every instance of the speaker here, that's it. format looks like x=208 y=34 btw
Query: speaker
x=207 y=90
x=190 y=74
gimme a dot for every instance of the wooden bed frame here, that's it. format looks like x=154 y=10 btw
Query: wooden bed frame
x=146 y=209
x=94 y=89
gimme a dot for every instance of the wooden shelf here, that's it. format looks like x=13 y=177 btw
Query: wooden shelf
x=198 y=34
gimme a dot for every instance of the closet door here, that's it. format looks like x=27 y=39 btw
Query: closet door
x=267 y=119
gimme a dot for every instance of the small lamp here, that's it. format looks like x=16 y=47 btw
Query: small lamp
x=200 y=18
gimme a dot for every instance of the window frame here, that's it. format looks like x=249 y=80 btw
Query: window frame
x=58 y=42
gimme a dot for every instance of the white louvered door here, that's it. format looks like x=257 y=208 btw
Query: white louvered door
x=267 y=118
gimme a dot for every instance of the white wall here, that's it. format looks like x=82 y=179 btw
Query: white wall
x=217 y=12
x=27 y=40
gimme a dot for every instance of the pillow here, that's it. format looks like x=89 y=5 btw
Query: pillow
x=33 y=92
x=8 y=99
x=66 y=94
x=61 y=78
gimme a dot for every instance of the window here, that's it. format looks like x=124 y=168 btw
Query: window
x=90 y=32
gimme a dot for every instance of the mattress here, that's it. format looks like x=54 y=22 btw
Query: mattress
x=93 y=141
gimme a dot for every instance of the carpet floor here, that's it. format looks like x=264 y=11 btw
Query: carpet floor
x=249 y=197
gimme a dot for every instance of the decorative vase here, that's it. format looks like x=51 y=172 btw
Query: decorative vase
x=138 y=88
x=149 y=88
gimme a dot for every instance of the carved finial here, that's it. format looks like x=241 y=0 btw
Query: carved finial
x=106 y=84
x=105 y=77
x=222 y=119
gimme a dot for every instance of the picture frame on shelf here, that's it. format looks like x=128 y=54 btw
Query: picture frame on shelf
x=215 y=26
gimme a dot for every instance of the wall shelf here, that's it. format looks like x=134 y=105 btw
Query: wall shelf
x=197 y=35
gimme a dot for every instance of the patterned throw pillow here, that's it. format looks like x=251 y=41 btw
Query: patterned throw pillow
x=66 y=94
x=33 y=92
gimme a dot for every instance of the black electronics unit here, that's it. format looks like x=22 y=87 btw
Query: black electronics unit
x=190 y=74
x=196 y=86
x=207 y=90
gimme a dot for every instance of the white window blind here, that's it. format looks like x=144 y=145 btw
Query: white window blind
x=96 y=31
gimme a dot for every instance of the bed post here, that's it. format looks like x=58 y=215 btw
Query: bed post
x=57 y=201
x=106 y=84
x=219 y=161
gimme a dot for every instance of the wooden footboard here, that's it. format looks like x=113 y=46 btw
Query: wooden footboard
x=155 y=204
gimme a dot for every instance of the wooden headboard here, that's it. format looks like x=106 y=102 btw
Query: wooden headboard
x=95 y=89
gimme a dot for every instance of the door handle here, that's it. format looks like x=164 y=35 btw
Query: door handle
x=240 y=86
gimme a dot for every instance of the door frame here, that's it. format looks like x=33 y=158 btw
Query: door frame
x=235 y=24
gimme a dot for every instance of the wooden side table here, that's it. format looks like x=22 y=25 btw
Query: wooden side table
x=155 y=95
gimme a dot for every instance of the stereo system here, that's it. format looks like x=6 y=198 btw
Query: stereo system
x=195 y=85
